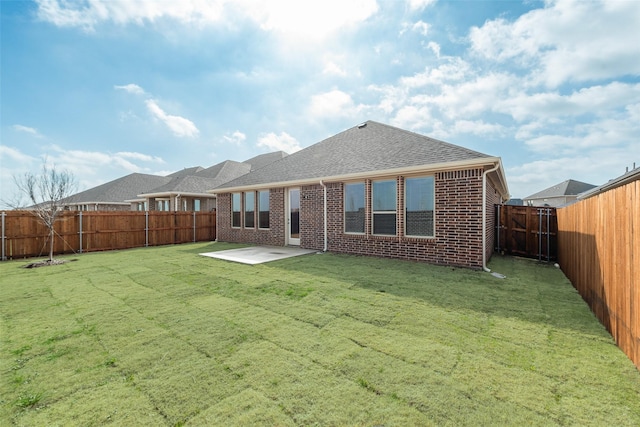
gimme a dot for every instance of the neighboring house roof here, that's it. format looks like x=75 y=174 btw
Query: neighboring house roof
x=515 y=202
x=262 y=160
x=369 y=147
x=186 y=172
x=202 y=181
x=119 y=190
x=569 y=187
x=627 y=177
x=225 y=171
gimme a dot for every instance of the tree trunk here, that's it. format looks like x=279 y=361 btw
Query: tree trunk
x=51 y=244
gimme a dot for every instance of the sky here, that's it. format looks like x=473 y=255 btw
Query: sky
x=104 y=88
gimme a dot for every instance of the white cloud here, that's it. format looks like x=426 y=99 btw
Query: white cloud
x=600 y=98
x=332 y=104
x=78 y=13
x=139 y=156
x=421 y=27
x=313 y=20
x=477 y=127
x=568 y=40
x=453 y=70
x=331 y=68
x=308 y=20
x=283 y=142
x=180 y=126
x=417 y=5
x=11 y=156
x=235 y=138
x=435 y=48
x=594 y=167
x=27 y=129
x=131 y=88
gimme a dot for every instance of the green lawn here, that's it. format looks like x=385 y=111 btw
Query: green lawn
x=162 y=336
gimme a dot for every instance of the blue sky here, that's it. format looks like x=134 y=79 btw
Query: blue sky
x=106 y=88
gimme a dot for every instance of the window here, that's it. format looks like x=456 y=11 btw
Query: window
x=383 y=197
x=162 y=206
x=249 y=209
x=419 y=202
x=263 y=209
x=354 y=203
x=235 y=210
x=196 y=205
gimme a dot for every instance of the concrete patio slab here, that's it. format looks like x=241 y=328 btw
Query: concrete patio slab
x=258 y=254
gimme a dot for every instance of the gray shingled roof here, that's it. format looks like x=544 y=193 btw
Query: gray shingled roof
x=204 y=179
x=569 y=187
x=186 y=172
x=263 y=160
x=225 y=171
x=369 y=147
x=121 y=189
x=184 y=184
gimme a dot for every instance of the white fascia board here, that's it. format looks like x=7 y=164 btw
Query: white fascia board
x=125 y=203
x=432 y=168
x=175 y=193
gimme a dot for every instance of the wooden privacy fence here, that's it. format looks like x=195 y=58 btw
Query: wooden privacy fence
x=599 y=251
x=24 y=236
x=527 y=231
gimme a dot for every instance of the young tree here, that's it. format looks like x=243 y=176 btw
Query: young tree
x=47 y=193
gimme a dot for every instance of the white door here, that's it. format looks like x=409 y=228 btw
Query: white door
x=293 y=217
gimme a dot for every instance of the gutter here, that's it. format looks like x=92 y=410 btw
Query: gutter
x=324 y=187
x=484 y=216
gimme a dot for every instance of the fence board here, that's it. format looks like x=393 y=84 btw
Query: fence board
x=522 y=231
x=76 y=232
x=599 y=251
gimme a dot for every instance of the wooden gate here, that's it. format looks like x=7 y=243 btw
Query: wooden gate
x=527 y=231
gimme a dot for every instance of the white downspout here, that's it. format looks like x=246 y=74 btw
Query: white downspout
x=484 y=217
x=324 y=187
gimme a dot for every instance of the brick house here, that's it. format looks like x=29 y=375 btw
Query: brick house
x=372 y=190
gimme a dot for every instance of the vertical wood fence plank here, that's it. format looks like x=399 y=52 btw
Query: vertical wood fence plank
x=599 y=251
x=24 y=235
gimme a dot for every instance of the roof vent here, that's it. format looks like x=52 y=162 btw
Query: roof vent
x=361 y=125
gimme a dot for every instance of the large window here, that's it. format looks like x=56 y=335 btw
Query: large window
x=383 y=197
x=354 y=203
x=419 y=202
x=249 y=209
x=263 y=209
x=236 y=209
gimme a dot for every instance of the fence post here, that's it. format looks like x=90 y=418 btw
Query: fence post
x=80 y=227
x=498 y=222
x=539 y=234
x=548 y=235
x=194 y=226
x=3 y=237
x=146 y=228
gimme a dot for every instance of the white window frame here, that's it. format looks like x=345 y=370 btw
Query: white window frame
x=433 y=204
x=344 y=208
x=385 y=212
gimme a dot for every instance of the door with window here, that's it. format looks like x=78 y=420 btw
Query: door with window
x=293 y=217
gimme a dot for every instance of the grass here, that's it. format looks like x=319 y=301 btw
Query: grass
x=162 y=336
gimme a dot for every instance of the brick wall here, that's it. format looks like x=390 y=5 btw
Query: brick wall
x=312 y=217
x=458 y=222
x=273 y=236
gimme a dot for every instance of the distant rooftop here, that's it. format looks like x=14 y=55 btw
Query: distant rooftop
x=569 y=187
